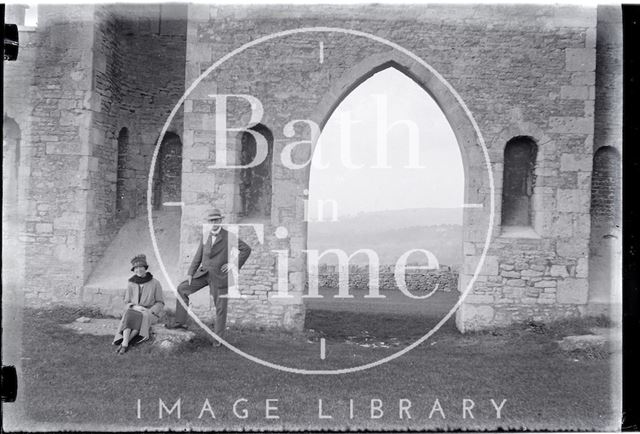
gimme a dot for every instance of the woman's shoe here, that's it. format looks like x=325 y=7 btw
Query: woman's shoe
x=123 y=350
x=140 y=339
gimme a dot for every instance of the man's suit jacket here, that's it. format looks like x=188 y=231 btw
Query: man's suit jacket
x=210 y=259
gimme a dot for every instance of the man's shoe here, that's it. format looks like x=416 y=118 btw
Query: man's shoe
x=176 y=326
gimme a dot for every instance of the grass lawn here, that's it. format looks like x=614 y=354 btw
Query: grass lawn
x=78 y=382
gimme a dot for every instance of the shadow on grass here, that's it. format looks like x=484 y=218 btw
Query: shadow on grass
x=358 y=326
x=341 y=326
x=395 y=330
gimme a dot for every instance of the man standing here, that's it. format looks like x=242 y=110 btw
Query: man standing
x=210 y=266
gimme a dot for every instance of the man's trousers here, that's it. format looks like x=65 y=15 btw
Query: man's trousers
x=185 y=290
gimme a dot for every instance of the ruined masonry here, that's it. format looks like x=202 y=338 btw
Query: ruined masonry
x=93 y=85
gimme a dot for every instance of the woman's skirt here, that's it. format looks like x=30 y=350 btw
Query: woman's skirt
x=143 y=326
x=132 y=319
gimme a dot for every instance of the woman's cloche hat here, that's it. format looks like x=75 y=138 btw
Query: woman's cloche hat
x=139 y=261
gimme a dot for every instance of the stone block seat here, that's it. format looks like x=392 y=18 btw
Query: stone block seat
x=160 y=336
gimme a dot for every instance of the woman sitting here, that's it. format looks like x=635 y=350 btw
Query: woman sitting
x=144 y=305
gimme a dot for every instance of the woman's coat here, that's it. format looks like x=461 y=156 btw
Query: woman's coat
x=151 y=298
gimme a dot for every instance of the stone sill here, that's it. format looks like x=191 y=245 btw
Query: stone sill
x=519 y=232
x=27 y=28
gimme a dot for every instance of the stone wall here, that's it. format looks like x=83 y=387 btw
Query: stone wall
x=108 y=73
x=605 y=258
x=551 y=73
x=18 y=85
x=57 y=148
x=521 y=70
x=134 y=95
x=80 y=80
x=417 y=281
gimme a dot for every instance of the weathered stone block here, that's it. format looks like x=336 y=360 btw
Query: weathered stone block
x=474 y=317
x=531 y=273
x=546 y=284
x=574 y=92
x=44 y=228
x=490 y=266
x=570 y=125
x=198 y=182
x=575 y=162
x=479 y=299
x=582 y=342
x=572 y=291
x=64 y=253
x=168 y=339
x=69 y=220
x=573 y=200
x=582 y=268
x=583 y=78
x=571 y=248
x=580 y=59
x=469 y=249
x=558 y=271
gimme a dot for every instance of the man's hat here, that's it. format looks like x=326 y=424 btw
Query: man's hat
x=139 y=261
x=214 y=213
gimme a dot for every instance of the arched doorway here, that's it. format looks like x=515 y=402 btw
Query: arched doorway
x=468 y=155
x=518 y=181
x=255 y=183
x=605 y=250
x=168 y=178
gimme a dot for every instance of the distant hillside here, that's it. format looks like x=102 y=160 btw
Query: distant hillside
x=392 y=233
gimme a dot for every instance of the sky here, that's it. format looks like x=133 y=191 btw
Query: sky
x=439 y=182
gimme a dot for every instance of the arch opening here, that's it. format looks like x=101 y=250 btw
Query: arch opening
x=387 y=174
x=605 y=247
x=255 y=183
x=518 y=184
x=168 y=173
